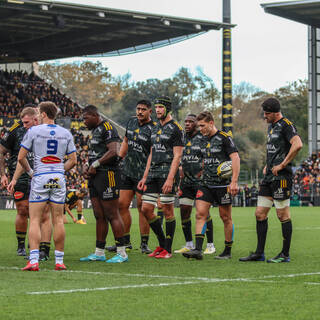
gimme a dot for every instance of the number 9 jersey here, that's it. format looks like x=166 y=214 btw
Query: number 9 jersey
x=49 y=144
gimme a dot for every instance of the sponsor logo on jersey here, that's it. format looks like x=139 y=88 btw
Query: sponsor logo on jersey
x=18 y=195
x=199 y=194
x=50 y=159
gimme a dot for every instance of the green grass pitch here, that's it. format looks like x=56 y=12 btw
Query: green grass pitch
x=145 y=288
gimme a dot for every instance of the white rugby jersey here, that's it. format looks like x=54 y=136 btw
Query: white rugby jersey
x=49 y=144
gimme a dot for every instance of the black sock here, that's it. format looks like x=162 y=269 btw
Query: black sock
x=199 y=241
x=100 y=244
x=170 y=229
x=79 y=216
x=160 y=215
x=186 y=228
x=45 y=247
x=262 y=229
x=120 y=242
x=144 y=238
x=286 y=234
x=21 y=237
x=127 y=238
x=209 y=231
x=227 y=247
x=156 y=227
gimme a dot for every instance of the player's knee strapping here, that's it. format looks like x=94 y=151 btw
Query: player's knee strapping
x=150 y=198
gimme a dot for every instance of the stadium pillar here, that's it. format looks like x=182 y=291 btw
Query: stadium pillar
x=227 y=124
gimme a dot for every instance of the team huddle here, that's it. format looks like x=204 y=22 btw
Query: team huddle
x=154 y=162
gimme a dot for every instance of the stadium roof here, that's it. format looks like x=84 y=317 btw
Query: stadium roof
x=307 y=11
x=33 y=30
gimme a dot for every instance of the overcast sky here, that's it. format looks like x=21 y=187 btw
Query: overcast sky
x=268 y=51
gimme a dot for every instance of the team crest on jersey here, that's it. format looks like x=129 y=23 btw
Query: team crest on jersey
x=50 y=159
x=199 y=194
x=18 y=195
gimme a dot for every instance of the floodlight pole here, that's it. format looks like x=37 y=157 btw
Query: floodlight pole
x=227 y=124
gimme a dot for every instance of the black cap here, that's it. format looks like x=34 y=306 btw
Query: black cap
x=271 y=105
x=164 y=101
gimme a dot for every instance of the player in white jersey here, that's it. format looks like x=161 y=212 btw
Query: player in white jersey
x=49 y=143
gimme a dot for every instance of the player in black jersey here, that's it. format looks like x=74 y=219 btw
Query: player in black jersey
x=283 y=144
x=190 y=173
x=103 y=175
x=161 y=176
x=135 y=149
x=74 y=200
x=214 y=188
x=20 y=181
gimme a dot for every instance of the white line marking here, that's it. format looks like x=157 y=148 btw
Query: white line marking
x=313 y=283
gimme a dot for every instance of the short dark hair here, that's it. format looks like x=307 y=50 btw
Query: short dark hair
x=205 y=116
x=145 y=103
x=49 y=108
x=271 y=105
x=91 y=109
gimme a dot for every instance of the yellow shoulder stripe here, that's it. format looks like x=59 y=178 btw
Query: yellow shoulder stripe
x=16 y=125
x=224 y=134
x=287 y=121
x=178 y=125
x=107 y=125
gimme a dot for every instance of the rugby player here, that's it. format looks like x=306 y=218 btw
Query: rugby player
x=283 y=144
x=49 y=143
x=135 y=149
x=216 y=149
x=74 y=200
x=190 y=172
x=20 y=181
x=103 y=175
x=161 y=176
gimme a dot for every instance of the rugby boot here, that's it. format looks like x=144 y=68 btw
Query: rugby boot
x=93 y=257
x=164 y=254
x=21 y=251
x=60 y=267
x=145 y=249
x=31 y=267
x=193 y=254
x=43 y=256
x=210 y=249
x=279 y=258
x=156 y=252
x=118 y=258
x=183 y=249
x=253 y=257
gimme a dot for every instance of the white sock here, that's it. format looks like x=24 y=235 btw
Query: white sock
x=99 y=252
x=189 y=244
x=34 y=256
x=122 y=251
x=59 y=256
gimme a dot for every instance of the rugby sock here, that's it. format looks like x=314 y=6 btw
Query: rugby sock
x=227 y=247
x=262 y=229
x=121 y=248
x=34 y=256
x=209 y=231
x=144 y=238
x=21 y=237
x=286 y=234
x=186 y=228
x=45 y=247
x=160 y=214
x=59 y=256
x=126 y=238
x=100 y=245
x=79 y=216
x=199 y=241
x=170 y=229
x=156 y=226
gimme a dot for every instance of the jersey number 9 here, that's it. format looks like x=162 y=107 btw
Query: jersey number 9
x=52 y=146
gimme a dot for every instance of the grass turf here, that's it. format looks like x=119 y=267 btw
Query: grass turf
x=145 y=288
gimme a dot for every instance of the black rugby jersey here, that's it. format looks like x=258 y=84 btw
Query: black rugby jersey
x=139 y=144
x=163 y=139
x=11 y=141
x=278 y=146
x=71 y=197
x=215 y=150
x=191 y=160
x=103 y=134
